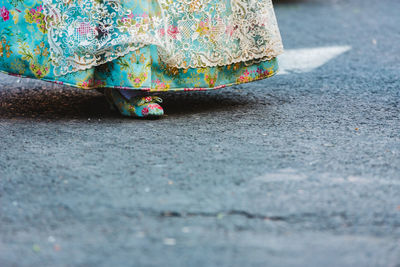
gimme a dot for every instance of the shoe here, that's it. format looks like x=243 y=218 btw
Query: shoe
x=140 y=107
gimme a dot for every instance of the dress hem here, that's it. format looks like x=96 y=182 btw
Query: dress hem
x=147 y=89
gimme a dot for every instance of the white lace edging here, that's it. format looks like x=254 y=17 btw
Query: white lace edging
x=188 y=33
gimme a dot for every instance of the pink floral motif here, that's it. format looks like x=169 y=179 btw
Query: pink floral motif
x=85 y=28
x=137 y=80
x=36 y=16
x=230 y=29
x=90 y=83
x=211 y=80
x=203 y=27
x=58 y=82
x=154 y=107
x=173 y=31
x=262 y=72
x=145 y=111
x=4 y=13
x=159 y=85
x=38 y=70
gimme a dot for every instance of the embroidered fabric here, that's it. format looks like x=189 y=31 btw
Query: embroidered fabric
x=188 y=33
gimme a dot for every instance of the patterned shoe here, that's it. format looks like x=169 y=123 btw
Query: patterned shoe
x=140 y=107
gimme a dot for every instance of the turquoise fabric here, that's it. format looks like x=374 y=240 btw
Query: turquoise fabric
x=25 y=52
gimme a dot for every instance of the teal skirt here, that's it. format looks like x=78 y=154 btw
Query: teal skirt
x=25 y=52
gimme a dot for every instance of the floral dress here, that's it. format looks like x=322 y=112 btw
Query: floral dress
x=152 y=45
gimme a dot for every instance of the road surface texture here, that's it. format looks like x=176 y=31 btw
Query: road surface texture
x=299 y=170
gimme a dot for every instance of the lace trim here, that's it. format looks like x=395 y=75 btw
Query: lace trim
x=189 y=33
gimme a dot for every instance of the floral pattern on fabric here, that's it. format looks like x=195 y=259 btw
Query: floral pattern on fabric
x=205 y=33
x=148 y=106
x=188 y=33
x=25 y=51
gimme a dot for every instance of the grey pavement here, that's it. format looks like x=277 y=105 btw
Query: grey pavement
x=301 y=169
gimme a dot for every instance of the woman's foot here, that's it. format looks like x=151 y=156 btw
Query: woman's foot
x=138 y=106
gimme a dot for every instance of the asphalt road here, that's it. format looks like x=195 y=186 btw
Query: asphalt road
x=299 y=170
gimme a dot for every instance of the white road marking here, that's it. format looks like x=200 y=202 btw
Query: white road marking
x=308 y=59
